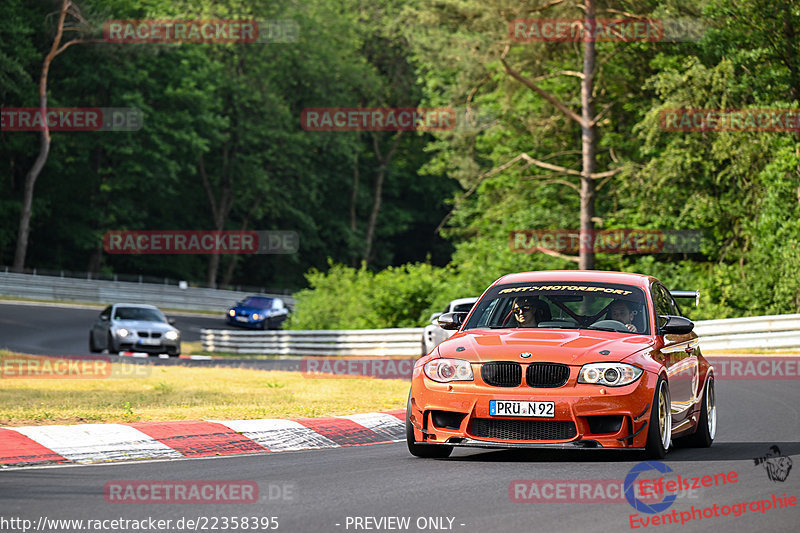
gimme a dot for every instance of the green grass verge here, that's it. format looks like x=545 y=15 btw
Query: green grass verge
x=184 y=393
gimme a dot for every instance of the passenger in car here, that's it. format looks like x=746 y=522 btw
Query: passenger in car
x=620 y=312
x=528 y=311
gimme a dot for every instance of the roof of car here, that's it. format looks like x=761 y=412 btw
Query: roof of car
x=146 y=306
x=459 y=301
x=601 y=276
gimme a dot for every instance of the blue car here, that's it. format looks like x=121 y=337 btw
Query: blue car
x=258 y=312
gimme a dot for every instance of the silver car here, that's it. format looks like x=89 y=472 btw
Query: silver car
x=433 y=334
x=134 y=328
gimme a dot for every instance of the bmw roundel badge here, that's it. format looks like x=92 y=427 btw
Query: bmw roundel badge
x=525 y=355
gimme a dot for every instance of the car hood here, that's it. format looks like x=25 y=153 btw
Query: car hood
x=143 y=324
x=570 y=347
x=250 y=309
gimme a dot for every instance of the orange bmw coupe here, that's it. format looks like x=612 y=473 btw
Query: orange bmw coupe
x=565 y=359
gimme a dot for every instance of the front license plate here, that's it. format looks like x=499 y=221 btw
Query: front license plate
x=149 y=342
x=522 y=408
x=242 y=318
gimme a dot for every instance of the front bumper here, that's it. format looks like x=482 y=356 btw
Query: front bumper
x=137 y=344
x=585 y=416
x=256 y=324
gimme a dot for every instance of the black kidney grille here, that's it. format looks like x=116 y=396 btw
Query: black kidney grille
x=502 y=374
x=490 y=428
x=546 y=375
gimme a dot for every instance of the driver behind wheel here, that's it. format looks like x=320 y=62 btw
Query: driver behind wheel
x=620 y=312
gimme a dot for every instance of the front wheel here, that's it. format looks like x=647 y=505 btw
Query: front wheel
x=426 y=451
x=112 y=350
x=707 y=425
x=92 y=347
x=659 y=434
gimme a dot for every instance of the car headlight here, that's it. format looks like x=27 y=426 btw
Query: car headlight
x=446 y=370
x=609 y=374
x=122 y=332
x=231 y=312
x=256 y=316
x=171 y=335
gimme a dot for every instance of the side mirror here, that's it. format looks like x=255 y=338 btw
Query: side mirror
x=451 y=320
x=104 y=318
x=675 y=325
x=171 y=321
x=434 y=316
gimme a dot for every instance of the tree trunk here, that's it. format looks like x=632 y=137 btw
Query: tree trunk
x=25 y=214
x=790 y=34
x=229 y=270
x=380 y=175
x=588 y=144
x=219 y=211
x=353 y=201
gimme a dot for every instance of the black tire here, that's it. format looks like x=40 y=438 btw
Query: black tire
x=426 y=451
x=92 y=347
x=112 y=349
x=659 y=436
x=706 y=425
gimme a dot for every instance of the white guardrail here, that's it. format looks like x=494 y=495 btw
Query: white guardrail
x=769 y=332
x=404 y=342
x=54 y=288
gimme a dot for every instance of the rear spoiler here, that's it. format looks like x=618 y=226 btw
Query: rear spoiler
x=687 y=294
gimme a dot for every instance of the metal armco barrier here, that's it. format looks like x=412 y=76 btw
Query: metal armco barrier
x=768 y=332
x=88 y=290
x=360 y=342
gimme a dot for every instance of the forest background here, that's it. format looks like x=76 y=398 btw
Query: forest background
x=392 y=225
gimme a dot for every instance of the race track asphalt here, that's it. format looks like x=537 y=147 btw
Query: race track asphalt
x=359 y=488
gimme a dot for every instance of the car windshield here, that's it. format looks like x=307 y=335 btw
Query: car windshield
x=463 y=308
x=563 y=305
x=257 y=301
x=138 y=313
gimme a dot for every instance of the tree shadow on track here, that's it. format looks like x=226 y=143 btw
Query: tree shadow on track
x=719 y=451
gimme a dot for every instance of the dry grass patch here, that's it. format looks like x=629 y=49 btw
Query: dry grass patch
x=188 y=393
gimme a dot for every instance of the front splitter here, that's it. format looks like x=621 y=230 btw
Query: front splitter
x=474 y=443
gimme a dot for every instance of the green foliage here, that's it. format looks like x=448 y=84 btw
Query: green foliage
x=356 y=298
x=238 y=106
